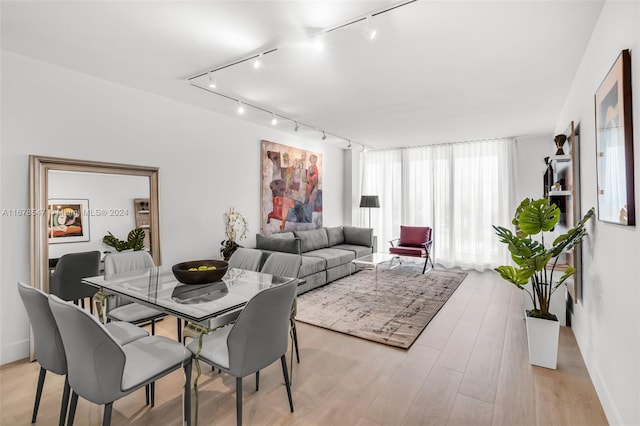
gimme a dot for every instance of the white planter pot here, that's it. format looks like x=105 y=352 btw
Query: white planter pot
x=558 y=304
x=543 y=338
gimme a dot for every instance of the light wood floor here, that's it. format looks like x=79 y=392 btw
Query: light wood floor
x=469 y=367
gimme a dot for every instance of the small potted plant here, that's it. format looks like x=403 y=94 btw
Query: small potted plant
x=134 y=241
x=235 y=228
x=532 y=257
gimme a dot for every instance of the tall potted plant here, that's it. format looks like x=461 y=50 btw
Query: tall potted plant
x=533 y=257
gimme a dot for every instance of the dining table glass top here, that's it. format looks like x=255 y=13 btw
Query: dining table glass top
x=158 y=288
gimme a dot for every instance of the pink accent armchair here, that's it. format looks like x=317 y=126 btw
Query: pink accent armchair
x=414 y=241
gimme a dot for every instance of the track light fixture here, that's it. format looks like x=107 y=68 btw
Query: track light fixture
x=324 y=135
x=258 y=63
x=212 y=82
x=368 y=31
x=349 y=144
x=240 y=108
x=297 y=127
x=274 y=120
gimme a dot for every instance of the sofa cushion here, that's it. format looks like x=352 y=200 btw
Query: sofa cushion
x=313 y=239
x=281 y=244
x=335 y=235
x=414 y=236
x=359 y=251
x=282 y=235
x=358 y=236
x=333 y=256
x=311 y=265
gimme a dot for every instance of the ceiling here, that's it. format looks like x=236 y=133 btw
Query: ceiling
x=438 y=71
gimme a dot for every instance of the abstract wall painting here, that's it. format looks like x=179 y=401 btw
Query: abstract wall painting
x=291 y=188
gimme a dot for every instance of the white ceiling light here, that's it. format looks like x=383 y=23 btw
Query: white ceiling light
x=212 y=82
x=274 y=120
x=368 y=31
x=258 y=63
x=240 y=108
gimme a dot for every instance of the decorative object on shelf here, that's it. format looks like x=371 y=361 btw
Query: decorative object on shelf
x=143 y=219
x=548 y=177
x=134 y=241
x=560 y=140
x=291 y=188
x=68 y=221
x=533 y=217
x=200 y=271
x=235 y=229
x=614 y=144
x=370 y=202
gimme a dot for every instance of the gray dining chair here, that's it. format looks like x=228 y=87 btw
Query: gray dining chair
x=120 y=309
x=245 y=258
x=286 y=265
x=257 y=339
x=48 y=347
x=102 y=370
x=66 y=280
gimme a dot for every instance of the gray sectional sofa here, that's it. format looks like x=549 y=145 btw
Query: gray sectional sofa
x=326 y=252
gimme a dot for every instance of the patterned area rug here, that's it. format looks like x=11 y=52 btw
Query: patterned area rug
x=405 y=302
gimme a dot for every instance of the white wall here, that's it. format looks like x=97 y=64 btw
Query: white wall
x=607 y=322
x=530 y=167
x=208 y=162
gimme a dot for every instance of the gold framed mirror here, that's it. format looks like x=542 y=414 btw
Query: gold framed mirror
x=39 y=168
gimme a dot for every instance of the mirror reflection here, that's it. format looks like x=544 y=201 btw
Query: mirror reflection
x=84 y=207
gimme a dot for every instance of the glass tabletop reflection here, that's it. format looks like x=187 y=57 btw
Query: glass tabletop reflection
x=158 y=288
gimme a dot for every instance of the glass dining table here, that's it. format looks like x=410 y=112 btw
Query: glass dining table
x=205 y=306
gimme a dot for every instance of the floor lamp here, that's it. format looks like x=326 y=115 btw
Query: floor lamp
x=369 y=201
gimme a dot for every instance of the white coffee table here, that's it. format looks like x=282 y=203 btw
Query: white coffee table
x=372 y=261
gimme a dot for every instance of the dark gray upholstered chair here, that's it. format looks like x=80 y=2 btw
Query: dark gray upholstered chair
x=245 y=258
x=47 y=343
x=66 y=280
x=257 y=339
x=124 y=310
x=101 y=370
x=286 y=265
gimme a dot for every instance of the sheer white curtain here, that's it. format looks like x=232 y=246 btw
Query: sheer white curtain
x=460 y=190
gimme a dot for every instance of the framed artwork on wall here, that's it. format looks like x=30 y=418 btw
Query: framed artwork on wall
x=291 y=188
x=68 y=221
x=614 y=145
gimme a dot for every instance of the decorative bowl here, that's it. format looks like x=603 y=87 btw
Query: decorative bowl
x=184 y=275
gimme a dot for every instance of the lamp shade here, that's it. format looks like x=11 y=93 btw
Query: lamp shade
x=369 y=201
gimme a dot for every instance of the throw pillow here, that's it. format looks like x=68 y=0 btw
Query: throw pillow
x=336 y=236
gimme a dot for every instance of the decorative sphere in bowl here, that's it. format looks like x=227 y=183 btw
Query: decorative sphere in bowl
x=200 y=271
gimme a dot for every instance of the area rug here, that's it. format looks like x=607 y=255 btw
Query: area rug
x=395 y=314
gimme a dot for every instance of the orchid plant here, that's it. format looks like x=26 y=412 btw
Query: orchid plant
x=235 y=229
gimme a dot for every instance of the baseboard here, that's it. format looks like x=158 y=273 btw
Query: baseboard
x=14 y=351
x=608 y=404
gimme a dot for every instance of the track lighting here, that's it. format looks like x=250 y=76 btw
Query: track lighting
x=324 y=135
x=257 y=64
x=240 y=108
x=349 y=144
x=212 y=82
x=368 y=31
x=297 y=127
x=274 y=120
